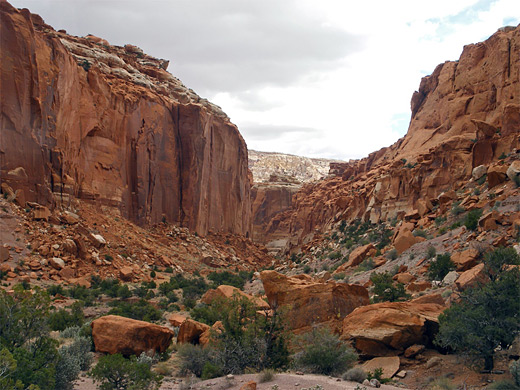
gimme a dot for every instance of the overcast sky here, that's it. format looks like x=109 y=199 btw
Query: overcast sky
x=320 y=78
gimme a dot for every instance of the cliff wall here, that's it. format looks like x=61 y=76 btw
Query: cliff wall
x=81 y=118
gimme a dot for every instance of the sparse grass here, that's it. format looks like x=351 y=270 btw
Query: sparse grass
x=431 y=252
x=266 y=376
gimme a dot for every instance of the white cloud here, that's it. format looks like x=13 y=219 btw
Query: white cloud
x=326 y=78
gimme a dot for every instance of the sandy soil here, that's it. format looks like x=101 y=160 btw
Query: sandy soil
x=284 y=382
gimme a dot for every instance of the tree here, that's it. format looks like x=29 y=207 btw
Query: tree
x=324 y=353
x=487 y=316
x=440 y=267
x=386 y=290
x=114 y=372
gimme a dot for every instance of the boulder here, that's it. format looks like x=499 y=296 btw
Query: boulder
x=176 y=319
x=478 y=172
x=227 y=292
x=405 y=239
x=488 y=221
x=251 y=385
x=115 y=334
x=4 y=254
x=388 y=328
x=56 y=263
x=471 y=276
x=496 y=175
x=205 y=337
x=404 y=277
x=126 y=273
x=389 y=364
x=514 y=170
x=413 y=350
x=419 y=286
x=310 y=302
x=359 y=254
x=190 y=331
x=466 y=259
x=450 y=278
x=41 y=213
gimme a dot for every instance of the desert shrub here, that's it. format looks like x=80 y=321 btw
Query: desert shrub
x=516 y=180
x=324 y=353
x=266 y=375
x=229 y=278
x=442 y=383
x=514 y=369
x=193 y=358
x=392 y=255
x=385 y=289
x=471 y=219
x=420 y=233
x=440 y=267
x=457 y=209
x=55 y=289
x=72 y=359
x=306 y=268
x=430 y=252
x=207 y=314
x=497 y=260
x=440 y=220
x=486 y=317
x=366 y=265
x=211 y=370
x=62 y=319
x=141 y=310
x=164 y=369
x=355 y=374
x=118 y=373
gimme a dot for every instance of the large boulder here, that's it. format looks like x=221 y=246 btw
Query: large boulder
x=405 y=239
x=388 y=328
x=227 y=292
x=466 y=259
x=471 y=277
x=496 y=175
x=115 y=334
x=190 y=331
x=310 y=302
x=514 y=170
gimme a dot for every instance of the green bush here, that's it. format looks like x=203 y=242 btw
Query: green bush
x=266 y=376
x=62 y=319
x=355 y=374
x=324 y=353
x=420 y=233
x=118 y=373
x=193 y=358
x=366 y=265
x=72 y=359
x=392 y=255
x=141 y=310
x=486 y=317
x=385 y=289
x=430 y=252
x=440 y=267
x=471 y=219
x=496 y=261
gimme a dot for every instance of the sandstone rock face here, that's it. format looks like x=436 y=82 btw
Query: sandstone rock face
x=310 y=302
x=456 y=116
x=115 y=334
x=110 y=124
x=388 y=328
x=229 y=292
x=190 y=331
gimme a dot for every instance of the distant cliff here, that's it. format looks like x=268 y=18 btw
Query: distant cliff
x=81 y=118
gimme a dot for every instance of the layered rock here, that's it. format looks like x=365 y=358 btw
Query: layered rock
x=115 y=334
x=84 y=119
x=310 y=302
x=464 y=115
x=388 y=328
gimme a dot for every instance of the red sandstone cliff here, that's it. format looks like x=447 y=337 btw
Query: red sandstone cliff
x=465 y=114
x=85 y=119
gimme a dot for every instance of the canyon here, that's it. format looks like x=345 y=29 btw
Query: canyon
x=111 y=167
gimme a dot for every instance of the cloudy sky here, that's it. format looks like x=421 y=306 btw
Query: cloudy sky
x=320 y=78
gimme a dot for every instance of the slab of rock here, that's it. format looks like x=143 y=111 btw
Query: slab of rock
x=450 y=278
x=414 y=350
x=190 y=331
x=514 y=170
x=405 y=239
x=227 y=292
x=489 y=221
x=471 y=276
x=115 y=334
x=390 y=365
x=126 y=273
x=310 y=302
x=496 y=175
x=359 y=254
x=176 y=319
x=478 y=172
x=41 y=213
x=56 y=263
x=251 y=385
x=466 y=259
x=389 y=328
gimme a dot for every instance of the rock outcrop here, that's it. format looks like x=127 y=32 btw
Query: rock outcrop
x=464 y=115
x=388 y=328
x=81 y=118
x=310 y=302
x=229 y=292
x=190 y=331
x=115 y=334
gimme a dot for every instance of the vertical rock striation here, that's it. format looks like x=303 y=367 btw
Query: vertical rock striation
x=89 y=120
